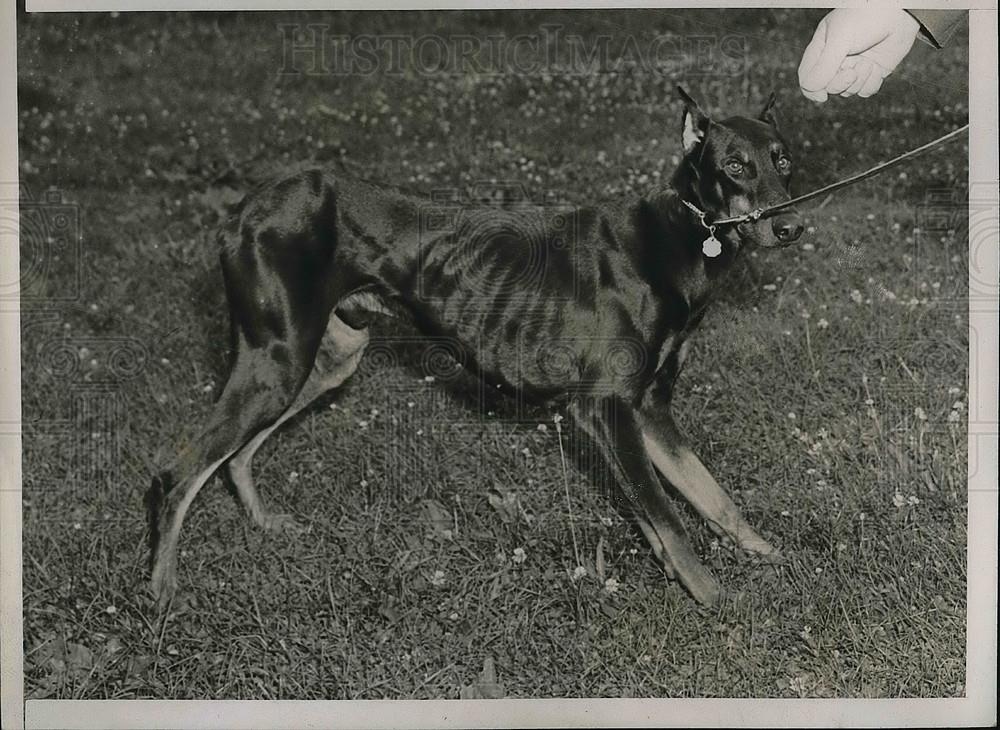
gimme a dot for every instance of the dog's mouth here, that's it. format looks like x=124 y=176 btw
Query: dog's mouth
x=756 y=234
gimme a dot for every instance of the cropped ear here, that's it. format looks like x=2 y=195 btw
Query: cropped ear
x=694 y=122
x=768 y=114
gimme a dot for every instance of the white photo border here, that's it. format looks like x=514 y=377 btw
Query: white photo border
x=977 y=708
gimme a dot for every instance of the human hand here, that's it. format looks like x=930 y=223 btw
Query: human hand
x=853 y=50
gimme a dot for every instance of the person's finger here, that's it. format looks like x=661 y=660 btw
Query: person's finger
x=817 y=96
x=864 y=69
x=874 y=82
x=835 y=45
x=811 y=55
x=842 y=81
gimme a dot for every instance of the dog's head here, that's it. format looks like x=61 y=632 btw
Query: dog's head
x=734 y=166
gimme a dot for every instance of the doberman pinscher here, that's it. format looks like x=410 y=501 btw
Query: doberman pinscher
x=307 y=259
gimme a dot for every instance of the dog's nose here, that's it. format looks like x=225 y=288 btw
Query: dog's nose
x=787 y=228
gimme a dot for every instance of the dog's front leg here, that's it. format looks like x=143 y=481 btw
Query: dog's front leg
x=679 y=466
x=616 y=439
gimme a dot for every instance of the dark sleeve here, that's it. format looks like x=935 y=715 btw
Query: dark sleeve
x=937 y=26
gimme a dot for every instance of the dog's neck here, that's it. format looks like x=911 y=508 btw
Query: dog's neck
x=686 y=186
x=673 y=238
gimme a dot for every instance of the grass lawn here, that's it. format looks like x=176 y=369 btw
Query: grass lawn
x=826 y=389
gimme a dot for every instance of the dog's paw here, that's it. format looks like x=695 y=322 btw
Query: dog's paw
x=772 y=557
x=282 y=523
x=761 y=548
x=707 y=592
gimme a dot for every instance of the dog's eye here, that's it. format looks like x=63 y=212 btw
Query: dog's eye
x=734 y=167
x=784 y=165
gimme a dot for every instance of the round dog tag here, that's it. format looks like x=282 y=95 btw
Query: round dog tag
x=711 y=247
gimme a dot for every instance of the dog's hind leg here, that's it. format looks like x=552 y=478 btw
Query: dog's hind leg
x=616 y=437
x=277 y=264
x=344 y=346
x=255 y=395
